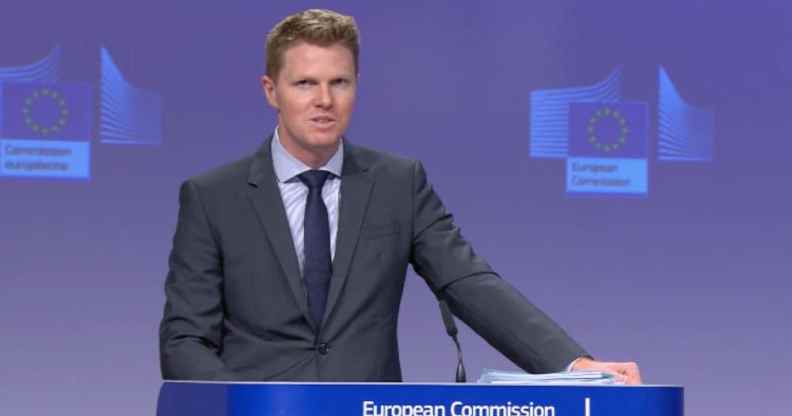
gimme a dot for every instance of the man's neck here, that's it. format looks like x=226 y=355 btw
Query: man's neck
x=314 y=158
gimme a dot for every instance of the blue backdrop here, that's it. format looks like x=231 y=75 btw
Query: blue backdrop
x=690 y=278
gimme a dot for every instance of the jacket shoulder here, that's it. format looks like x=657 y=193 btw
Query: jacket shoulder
x=228 y=176
x=383 y=162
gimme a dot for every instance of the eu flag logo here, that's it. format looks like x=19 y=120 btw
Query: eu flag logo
x=604 y=138
x=47 y=126
x=608 y=130
x=63 y=110
x=607 y=148
x=46 y=129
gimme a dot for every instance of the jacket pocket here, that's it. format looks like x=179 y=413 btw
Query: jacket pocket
x=374 y=231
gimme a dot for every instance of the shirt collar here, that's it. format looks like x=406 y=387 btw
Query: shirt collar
x=287 y=167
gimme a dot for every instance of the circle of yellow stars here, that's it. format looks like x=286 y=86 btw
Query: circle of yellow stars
x=55 y=97
x=604 y=113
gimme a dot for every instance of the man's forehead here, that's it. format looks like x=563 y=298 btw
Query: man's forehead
x=319 y=60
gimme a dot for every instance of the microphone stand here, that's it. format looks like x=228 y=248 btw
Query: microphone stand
x=451 y=329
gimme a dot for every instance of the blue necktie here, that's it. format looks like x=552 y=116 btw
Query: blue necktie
x=317 y=268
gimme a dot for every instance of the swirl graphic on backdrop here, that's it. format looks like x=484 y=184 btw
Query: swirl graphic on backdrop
x=550 y=113
x=48 y=125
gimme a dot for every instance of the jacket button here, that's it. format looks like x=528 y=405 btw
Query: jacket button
x=323 y=348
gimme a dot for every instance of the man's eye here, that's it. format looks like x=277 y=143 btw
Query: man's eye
x=303 y=83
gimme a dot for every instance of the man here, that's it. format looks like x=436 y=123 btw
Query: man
x=289 y=264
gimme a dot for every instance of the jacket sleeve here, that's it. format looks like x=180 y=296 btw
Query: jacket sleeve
x=192 y=323
x=477 y=295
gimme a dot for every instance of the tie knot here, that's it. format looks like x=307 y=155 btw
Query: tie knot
x=314 y=179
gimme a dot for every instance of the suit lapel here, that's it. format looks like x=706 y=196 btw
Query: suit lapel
x=356 y=184
x=267 y=202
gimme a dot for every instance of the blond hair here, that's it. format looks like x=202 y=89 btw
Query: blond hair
x=314 y=26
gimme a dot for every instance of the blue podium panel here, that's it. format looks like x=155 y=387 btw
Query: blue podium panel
x=405 y=399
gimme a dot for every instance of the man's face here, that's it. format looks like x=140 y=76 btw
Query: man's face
x=314 y=93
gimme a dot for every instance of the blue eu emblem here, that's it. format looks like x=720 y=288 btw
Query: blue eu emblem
x=46 y=129
x=607 y=148
x=63 y=110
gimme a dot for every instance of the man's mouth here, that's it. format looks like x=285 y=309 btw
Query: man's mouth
x=323 y=121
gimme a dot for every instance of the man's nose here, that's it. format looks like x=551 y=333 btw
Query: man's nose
x=324 y=98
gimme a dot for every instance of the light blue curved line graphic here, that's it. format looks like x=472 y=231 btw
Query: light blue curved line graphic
x=684 y=132
x=128 y=115
x=550 y=113
x=44 y=70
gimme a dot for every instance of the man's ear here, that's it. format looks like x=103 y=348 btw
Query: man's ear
x=268 y=85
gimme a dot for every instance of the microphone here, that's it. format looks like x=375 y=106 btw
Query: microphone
x=451 y=329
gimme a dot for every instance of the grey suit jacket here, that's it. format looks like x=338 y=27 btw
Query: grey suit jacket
x=236 y=308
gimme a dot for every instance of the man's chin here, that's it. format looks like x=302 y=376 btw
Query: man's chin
x=325 y=142
x=317 y=143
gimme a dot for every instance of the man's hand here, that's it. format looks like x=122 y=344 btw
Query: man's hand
x=625 y=372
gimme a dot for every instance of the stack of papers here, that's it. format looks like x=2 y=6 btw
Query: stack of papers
x=572 y=377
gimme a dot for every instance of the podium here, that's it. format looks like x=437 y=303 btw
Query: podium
x=410 y=399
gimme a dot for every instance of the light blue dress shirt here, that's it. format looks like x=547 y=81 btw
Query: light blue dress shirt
x=294 y=193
